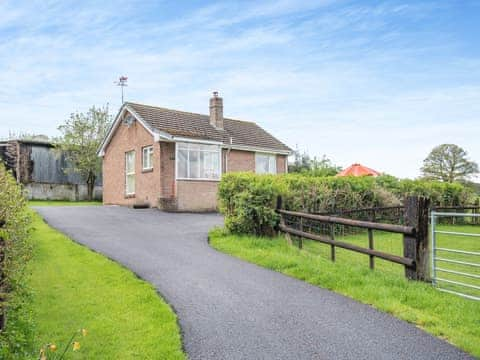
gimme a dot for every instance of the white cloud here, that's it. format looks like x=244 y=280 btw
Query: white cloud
x=346 y=81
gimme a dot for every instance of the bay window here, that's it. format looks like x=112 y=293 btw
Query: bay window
x=265 y=163
x=130 y=172
x=198 y=161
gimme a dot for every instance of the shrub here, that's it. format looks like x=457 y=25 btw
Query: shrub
x=440 y=193
x=248 y=200
x=16 y=250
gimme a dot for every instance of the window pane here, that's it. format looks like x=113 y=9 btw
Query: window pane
x=261 y=164
x=130 y=184
x=182 y=164
x=182 y=146
x=209 y=165
x=194 y=165
x=198 y=161
x=147 y=158
x=272 y=166
x=150 y=157
x=130 y=162
x=215 y=165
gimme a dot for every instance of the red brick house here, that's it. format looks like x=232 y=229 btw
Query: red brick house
x=174 y=159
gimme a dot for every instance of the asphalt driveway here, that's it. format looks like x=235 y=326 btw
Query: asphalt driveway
x=229 y=309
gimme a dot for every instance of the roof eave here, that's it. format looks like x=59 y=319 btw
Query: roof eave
x=157 y=134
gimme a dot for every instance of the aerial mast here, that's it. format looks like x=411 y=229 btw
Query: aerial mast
x=122 y=82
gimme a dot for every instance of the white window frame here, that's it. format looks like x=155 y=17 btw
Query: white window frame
x=187 y=144
x=270 y=156
x=131 y=173
x=147 y=153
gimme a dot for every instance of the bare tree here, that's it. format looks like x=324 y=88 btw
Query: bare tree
x=449 y=163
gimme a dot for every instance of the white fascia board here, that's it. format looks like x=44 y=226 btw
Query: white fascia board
x=157 y=135
x=197 y=141
x=259 y=149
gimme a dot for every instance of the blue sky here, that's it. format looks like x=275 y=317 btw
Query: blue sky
x=379 y=83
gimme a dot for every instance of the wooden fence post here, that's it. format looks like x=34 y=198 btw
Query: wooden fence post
x=416 y=246
x=282 y=220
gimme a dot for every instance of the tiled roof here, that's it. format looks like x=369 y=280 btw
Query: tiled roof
x=191 y=125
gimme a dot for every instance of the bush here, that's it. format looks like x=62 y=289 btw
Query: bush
x=440 y=193
x=16 y=338
x=248 y=201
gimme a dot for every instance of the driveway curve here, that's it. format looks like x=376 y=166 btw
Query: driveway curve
x=230 y=309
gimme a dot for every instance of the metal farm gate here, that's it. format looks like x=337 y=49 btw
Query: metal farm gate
x=456 y=253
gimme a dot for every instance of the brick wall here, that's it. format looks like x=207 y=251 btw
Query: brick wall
x=197 y=195
x=241 y=161
x=147 y=184
x=167 y=200
x=281 y=164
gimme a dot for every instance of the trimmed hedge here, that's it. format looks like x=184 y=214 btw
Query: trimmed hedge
x=440 y=193
x=248 y=200
x=15 y=252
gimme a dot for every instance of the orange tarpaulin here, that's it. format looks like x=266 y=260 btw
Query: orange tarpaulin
x=358 y=170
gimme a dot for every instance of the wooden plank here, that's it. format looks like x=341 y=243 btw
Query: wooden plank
x=326 y=240
x=370 y=246
x=332 y=247
x=300 y=239
x=399 y=229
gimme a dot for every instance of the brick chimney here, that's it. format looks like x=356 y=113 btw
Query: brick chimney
x=216 y=111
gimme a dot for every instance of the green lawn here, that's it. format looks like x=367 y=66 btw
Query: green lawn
x=62 y=203
x=447 y=316
x=76 y=288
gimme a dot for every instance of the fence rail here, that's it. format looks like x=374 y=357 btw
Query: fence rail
x=414 y=231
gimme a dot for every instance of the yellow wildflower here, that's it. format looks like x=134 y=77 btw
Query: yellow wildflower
x=52 y=347
x=84 y=332
x=76 y=346
x=42 y=354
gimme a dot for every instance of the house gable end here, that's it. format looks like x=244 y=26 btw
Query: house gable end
x=119 y=119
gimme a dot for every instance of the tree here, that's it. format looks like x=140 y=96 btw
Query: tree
x=301 y=162
x=81 y=137
x=448 y=163
x=316 y=167
x=324 y=167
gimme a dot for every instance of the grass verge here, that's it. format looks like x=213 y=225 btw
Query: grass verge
x=62 y=203
x=75 y=288
x=452 y=318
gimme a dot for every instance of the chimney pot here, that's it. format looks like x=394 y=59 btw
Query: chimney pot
x=216 y=111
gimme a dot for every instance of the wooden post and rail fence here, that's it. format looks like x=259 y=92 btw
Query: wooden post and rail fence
x=414 y=231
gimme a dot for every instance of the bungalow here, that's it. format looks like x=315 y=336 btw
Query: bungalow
x=174 y=160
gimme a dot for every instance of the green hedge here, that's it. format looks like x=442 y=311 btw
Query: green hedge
x=248 y=200
x=439 y=193
x=16 y=338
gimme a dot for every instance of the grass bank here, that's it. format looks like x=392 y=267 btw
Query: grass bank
x=75 y=288
x=62 y=203
x=447 y=316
